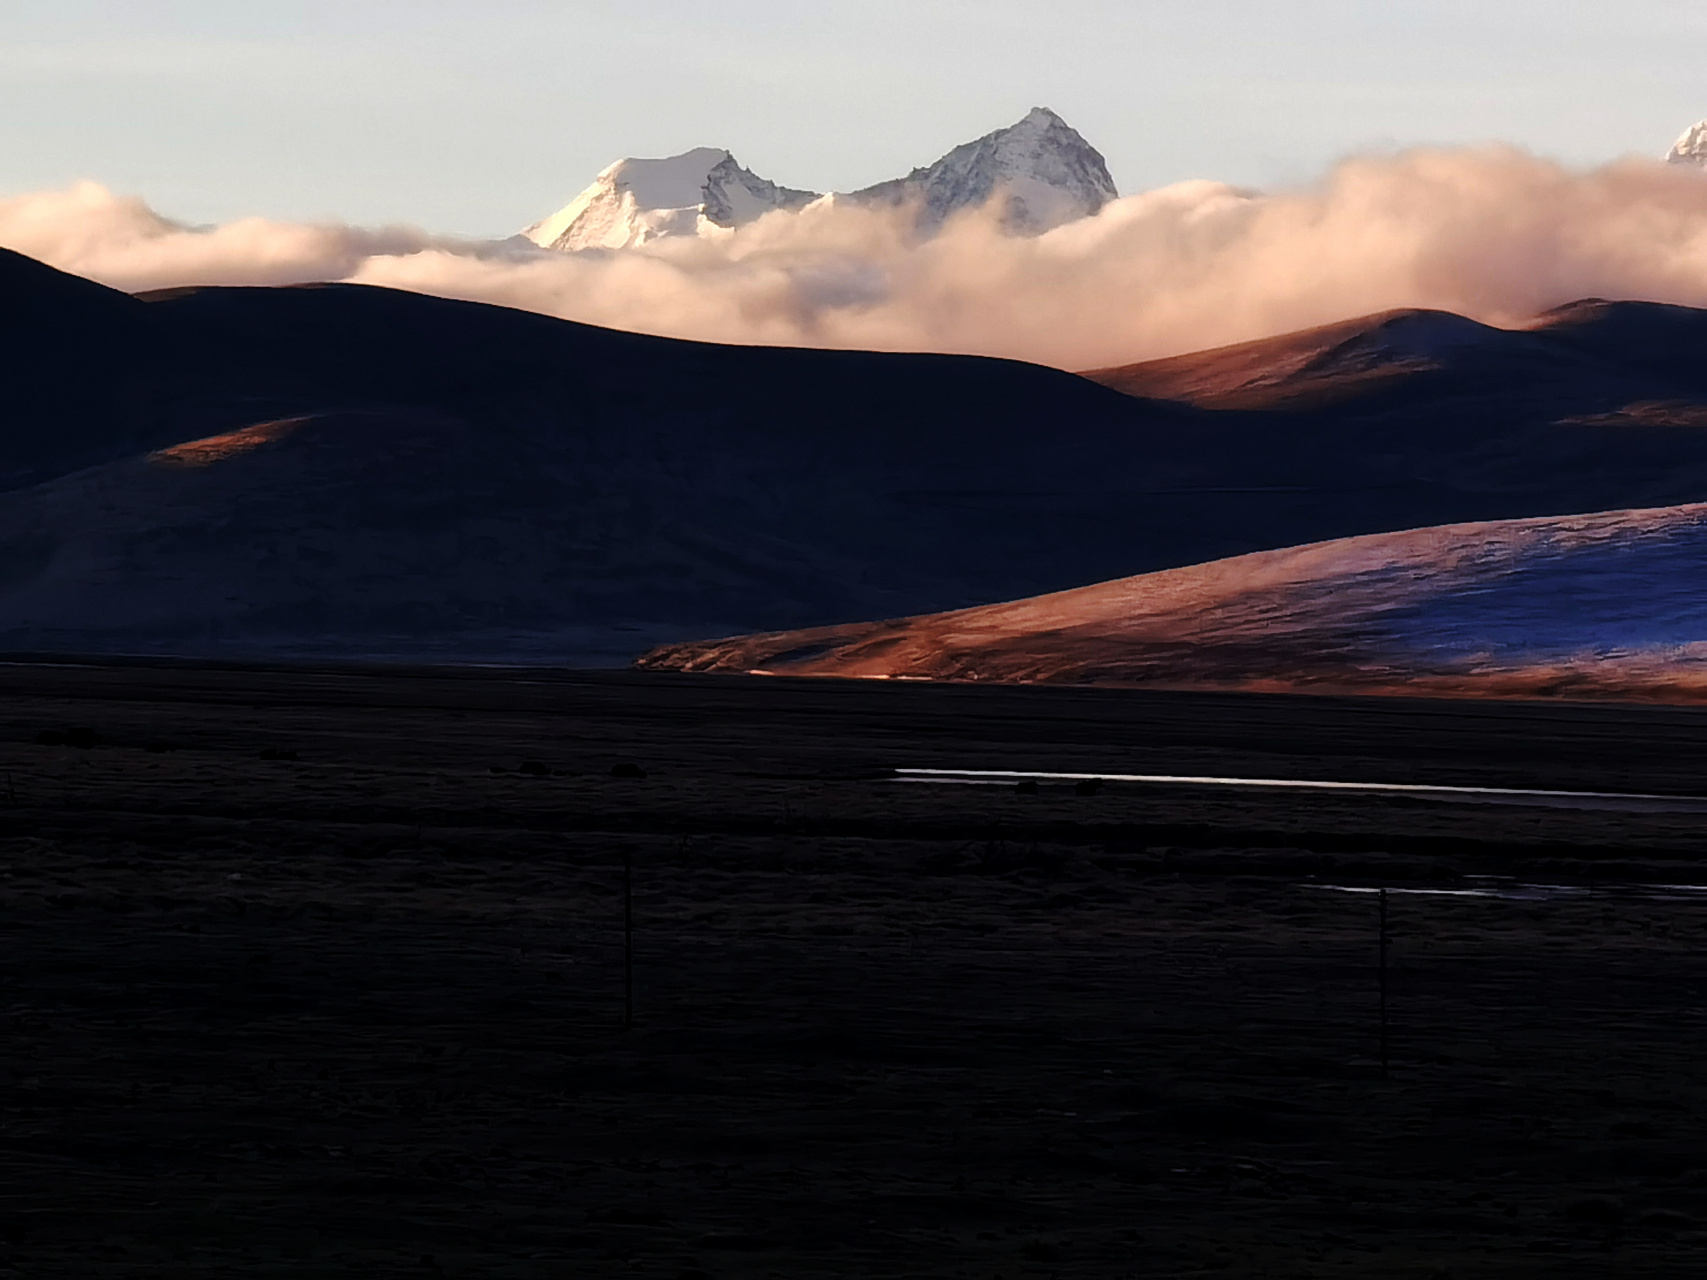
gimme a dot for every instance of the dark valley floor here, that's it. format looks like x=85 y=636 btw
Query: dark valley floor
x=312 y=973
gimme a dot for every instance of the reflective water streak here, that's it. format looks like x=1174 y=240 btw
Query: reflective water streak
x=1632 y=801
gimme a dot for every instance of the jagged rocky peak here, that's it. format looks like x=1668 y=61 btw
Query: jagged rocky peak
x=635 y=201
x=1691 y=148
x=1043 y=169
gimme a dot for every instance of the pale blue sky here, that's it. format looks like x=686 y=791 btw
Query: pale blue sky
x=476 y=118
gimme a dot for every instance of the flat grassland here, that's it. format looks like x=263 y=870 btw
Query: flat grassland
x=321 y=972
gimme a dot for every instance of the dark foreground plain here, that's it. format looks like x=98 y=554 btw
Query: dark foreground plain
x=304 y=974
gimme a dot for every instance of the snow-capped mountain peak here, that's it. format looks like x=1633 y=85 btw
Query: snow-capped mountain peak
x=634 y=201
x=1691 y=148
x=1041 y=169
x=1045 y=170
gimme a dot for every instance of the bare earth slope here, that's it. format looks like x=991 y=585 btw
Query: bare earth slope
x=1611 y=604
x=1312 y=367
x=1397 y=361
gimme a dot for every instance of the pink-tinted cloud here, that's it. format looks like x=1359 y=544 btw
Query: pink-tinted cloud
x=1491 y=233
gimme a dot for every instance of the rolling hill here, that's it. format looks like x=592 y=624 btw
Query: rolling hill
x=1603 y=605
x=384 y=473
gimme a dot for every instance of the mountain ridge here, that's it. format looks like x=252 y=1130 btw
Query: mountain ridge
x=1044 y=170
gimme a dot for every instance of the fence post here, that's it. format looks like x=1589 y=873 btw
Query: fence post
x=627 y=937
x=1382 y=970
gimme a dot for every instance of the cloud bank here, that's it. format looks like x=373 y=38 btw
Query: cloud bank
x=1492 y=233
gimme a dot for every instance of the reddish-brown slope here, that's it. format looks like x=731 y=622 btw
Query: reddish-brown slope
x=1601 y=605
x=1584 y=351
x=1306 y=369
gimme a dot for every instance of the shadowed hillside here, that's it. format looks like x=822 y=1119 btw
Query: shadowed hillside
x=459 y=480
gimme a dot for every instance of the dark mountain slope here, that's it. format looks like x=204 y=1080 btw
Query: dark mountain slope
x=383 y=347
x=80 y=367
x=465 y=479
x=1667 y=341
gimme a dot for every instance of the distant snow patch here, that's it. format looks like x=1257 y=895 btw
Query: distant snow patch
x=1691 y=148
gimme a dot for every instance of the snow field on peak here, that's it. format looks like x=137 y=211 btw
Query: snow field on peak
x=634 y=201
x=676 y=182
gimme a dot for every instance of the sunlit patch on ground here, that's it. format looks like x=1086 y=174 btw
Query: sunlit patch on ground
x=212 y=449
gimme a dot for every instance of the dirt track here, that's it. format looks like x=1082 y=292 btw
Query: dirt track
x=362 y=1010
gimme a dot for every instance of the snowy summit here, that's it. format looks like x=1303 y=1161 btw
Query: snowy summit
x=634 y=201
x=1044 y=172
x=1691 y=148
x=1043 y=169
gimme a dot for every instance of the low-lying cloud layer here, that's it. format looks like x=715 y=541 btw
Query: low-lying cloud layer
x=1491 y=233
